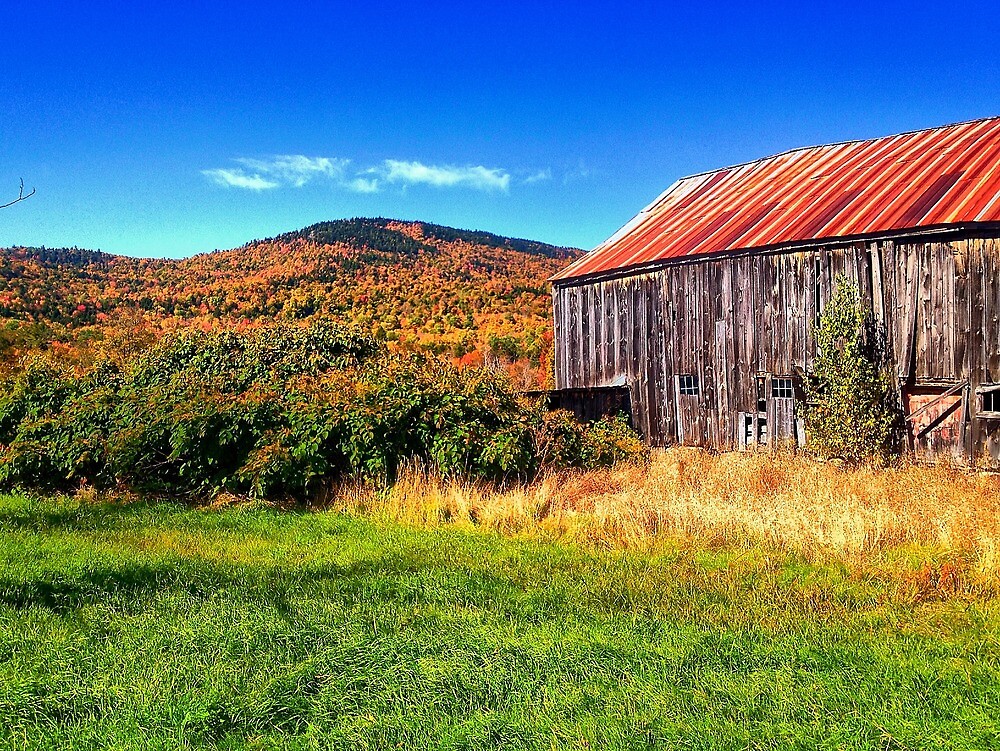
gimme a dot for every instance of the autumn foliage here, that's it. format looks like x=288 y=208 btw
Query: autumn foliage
x=471 y=296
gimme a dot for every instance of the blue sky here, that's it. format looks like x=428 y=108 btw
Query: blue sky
x=174 y=128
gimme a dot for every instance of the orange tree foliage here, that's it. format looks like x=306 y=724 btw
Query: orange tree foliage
x=472 y=296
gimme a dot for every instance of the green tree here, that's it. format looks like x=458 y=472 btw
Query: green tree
x=852 y=413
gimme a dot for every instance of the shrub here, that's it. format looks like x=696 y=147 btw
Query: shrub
x=561 y=441
x=238 y=359
x=851 y=412
x=276 y=412
x=611 y=440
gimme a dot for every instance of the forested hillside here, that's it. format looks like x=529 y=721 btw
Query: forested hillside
x=471 y=295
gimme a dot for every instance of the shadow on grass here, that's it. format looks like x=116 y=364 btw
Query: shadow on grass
x=134 y=581
x=42 y=517
x=394 y=577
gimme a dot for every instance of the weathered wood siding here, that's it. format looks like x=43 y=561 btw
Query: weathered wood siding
x=728 y=319
x=597 y=342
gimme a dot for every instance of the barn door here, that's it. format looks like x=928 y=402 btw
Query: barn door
x=771 y=419
x=754 y=423
x=687 y=401
x=936 y=422
x=781 y=411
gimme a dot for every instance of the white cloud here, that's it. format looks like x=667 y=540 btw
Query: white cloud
x=363 y=185
x=238 y=179
x=479 y=178
x=537 y=177
x=582 y=172
x=296 y=169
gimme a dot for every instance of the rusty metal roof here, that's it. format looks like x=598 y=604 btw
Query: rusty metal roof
x=922 y=179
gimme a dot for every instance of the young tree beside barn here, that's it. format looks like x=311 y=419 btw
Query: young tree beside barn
x=850 y=409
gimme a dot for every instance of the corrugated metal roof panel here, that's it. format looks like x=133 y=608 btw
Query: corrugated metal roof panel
x=927 y=178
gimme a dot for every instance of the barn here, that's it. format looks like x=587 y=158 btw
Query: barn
x=704 y=305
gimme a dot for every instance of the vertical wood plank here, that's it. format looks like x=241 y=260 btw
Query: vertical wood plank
x=667 y=316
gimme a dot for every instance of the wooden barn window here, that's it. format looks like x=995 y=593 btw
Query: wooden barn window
x=688 y=385
x=989 y=401
x=782 y=388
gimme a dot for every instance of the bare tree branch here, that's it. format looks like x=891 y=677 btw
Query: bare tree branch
x=20 y=196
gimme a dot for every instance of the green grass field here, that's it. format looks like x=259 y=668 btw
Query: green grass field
x=158 y=626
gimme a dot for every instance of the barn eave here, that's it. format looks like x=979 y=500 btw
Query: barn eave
x=968 y=229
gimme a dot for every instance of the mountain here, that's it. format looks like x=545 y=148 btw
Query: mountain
x=418 y=285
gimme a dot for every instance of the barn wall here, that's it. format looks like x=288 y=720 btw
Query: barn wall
x=609 y=330
x=729 y=319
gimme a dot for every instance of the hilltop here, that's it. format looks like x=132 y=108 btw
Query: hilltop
x=418 y=285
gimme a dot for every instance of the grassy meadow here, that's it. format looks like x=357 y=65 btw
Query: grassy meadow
x=703 y=602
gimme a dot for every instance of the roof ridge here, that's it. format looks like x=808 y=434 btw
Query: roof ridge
x=832 y=144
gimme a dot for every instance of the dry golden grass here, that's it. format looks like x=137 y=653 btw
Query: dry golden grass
x=692 y=497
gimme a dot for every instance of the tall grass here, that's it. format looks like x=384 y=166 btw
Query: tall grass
x=902 y=516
